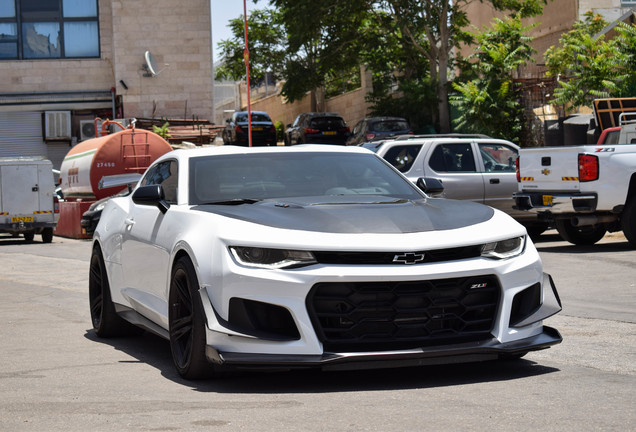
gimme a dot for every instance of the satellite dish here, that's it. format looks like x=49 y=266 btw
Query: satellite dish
x=151 y=65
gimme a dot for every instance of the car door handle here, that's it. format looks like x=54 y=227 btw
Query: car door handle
x=494 y=181
x=129 y=221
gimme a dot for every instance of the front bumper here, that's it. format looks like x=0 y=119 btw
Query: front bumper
x=469 y=352
x=555 y=202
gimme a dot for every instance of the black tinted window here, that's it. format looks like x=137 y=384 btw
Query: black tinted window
x=164 y=174
x=402 y=157
x=281 y=175
x=329 y=123
x=390 y=126
x=452 y=158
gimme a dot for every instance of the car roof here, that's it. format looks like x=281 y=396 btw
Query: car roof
x=253 y=112
x=183 y=154
x=419 y=139
x=384 y=118
x=321 y=114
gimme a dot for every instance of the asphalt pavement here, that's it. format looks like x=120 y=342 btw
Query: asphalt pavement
x=56 y=375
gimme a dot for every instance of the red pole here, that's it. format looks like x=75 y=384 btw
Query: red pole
x=246 y=57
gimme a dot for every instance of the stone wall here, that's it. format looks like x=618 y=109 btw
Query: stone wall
x=179 y=36
x=351 y=105
x=180 y=41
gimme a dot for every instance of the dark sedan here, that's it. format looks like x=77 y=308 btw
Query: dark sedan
x=377 y=128
x=236 y=129
x=319 y=128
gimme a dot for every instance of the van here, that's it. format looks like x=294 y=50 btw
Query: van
x=28 y=203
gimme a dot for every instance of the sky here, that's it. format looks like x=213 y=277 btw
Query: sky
x=222 y=12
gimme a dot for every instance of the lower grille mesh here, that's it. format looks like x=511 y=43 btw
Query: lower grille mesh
x=399 y=315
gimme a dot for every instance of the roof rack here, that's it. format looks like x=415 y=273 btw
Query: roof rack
x=449 y=135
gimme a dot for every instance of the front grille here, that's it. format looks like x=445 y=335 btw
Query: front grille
x=360 y=258
x=376 y=316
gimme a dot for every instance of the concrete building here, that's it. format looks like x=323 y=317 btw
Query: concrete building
x=558 y=17
x=64 y=63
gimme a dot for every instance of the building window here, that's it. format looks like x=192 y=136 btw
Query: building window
x=48 y=29
x=628 y=3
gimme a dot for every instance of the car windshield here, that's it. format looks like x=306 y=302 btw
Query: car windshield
x=327 y=123
x=256 y=117
x=390 y=126
x=257 y=176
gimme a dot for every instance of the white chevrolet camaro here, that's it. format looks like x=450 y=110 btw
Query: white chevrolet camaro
x=313 y=256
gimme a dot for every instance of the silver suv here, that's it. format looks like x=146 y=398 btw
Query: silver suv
x=471 y=167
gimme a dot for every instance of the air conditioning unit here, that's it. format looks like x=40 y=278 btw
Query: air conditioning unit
x=87 y=129
x=57 y=125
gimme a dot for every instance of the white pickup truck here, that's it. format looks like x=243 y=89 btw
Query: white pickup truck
x=585 y=191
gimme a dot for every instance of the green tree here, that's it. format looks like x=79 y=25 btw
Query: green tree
x=588 y=66
x=322 y=42
x=436 y=27
x=489 y=103
x=267 y=44
x=407 y=43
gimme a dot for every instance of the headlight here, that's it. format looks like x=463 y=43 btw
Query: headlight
x=271 y=258
x=504 y=248
x=100 y=206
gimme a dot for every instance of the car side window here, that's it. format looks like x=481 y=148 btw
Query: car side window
x=402 y=156
x=498 y=157
x=452 y=158
x=164 y=174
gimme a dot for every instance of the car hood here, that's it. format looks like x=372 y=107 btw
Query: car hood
x=354 y=215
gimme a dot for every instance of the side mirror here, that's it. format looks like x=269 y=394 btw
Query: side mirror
x=151 y=195
x=430 y=186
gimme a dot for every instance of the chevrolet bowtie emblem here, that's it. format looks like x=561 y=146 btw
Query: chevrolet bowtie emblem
x=545 y=171
x=408 y=258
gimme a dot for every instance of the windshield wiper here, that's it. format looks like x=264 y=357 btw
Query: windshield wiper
x=234 y=201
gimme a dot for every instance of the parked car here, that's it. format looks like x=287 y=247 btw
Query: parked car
x=313 y=256
x=377 y=128
x=320 y=128
x=90 y=218
x=471 y=167
x=236 y=129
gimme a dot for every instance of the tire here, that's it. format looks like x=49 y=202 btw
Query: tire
x=186 y=320
x=581 y=236
x=29 y=236
x=628 y=222
x=105 y=320
x=536 y=229
x=47 y=235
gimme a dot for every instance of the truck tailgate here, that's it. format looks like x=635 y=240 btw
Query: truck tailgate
x=549 y=168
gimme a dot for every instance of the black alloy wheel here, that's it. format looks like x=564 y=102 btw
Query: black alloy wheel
x=105 y=320
x=186 y=323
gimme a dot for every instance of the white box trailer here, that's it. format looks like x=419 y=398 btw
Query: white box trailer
x=28 y=203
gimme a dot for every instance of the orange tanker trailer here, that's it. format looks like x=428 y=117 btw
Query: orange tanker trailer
x=124 y=152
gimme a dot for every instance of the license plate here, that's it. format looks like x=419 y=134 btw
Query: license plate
x=22 y=219
x=547 y=200
x=329 y=132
